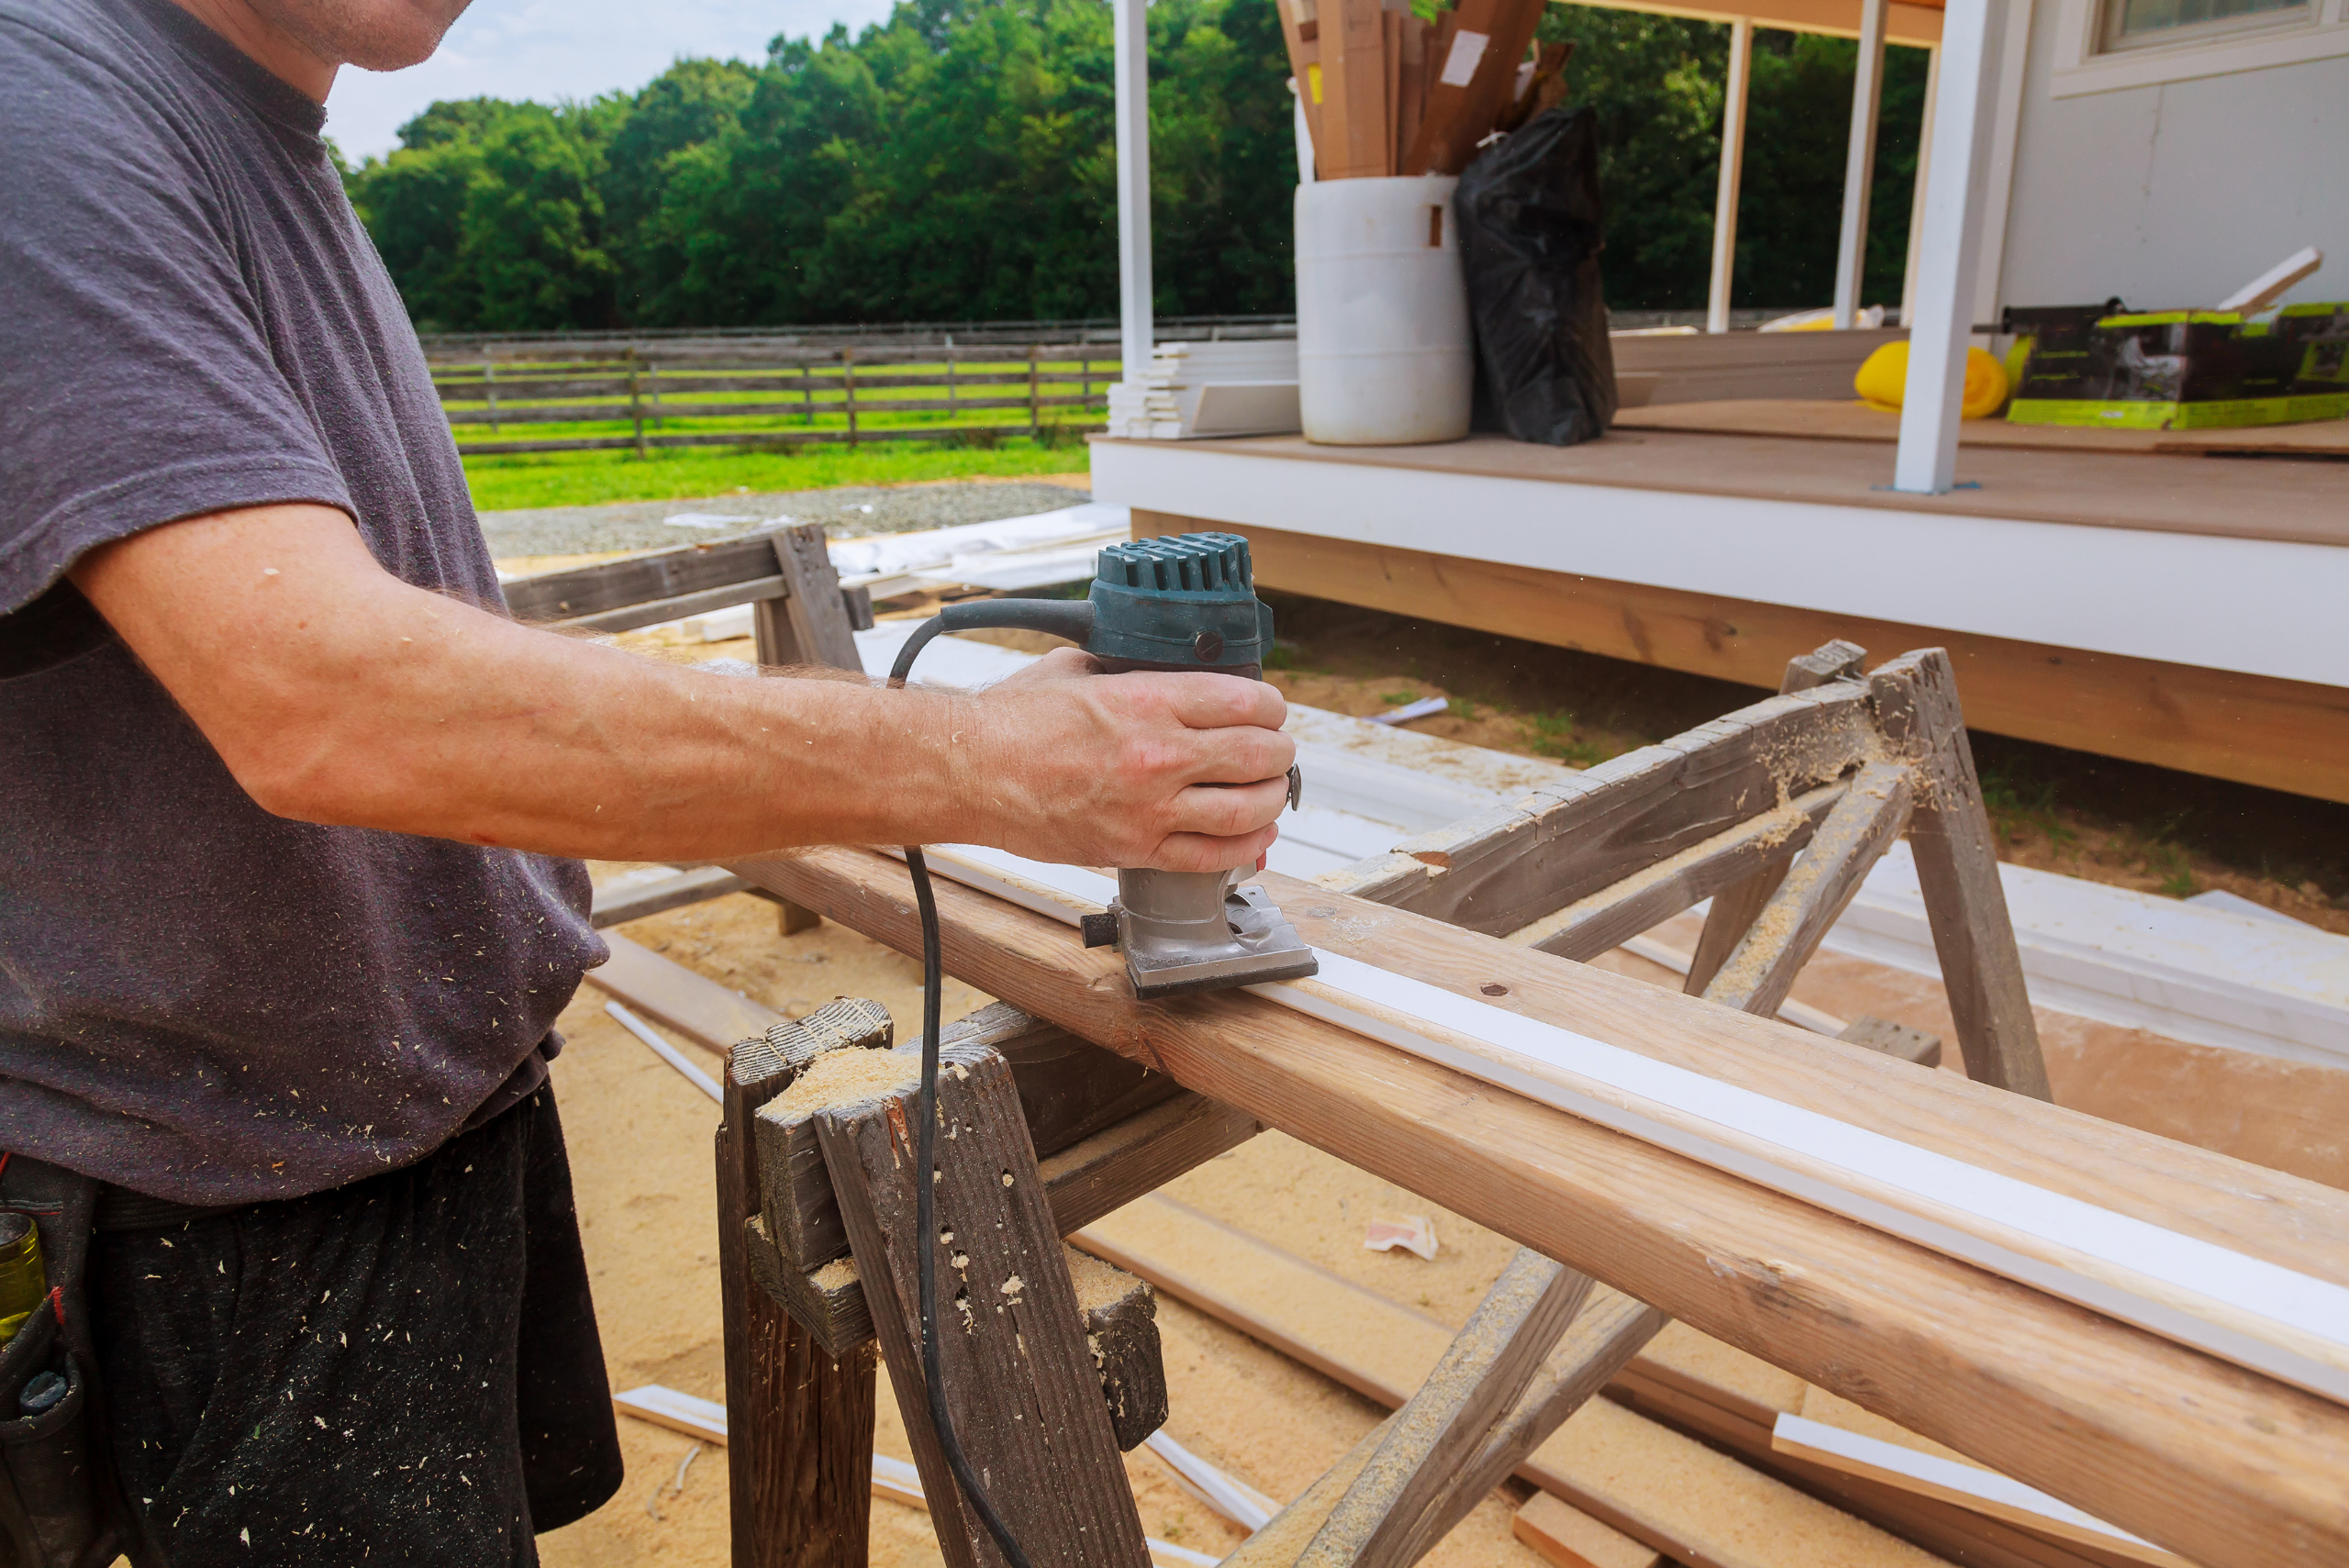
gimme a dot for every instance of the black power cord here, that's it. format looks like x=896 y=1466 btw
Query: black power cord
x=926 y=1159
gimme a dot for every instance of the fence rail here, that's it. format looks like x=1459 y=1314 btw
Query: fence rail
x=450 y=348
x=705 y=391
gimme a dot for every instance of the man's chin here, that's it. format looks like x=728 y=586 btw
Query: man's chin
x=373 y=35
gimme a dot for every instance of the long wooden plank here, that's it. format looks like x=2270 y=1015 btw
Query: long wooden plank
x=2288 y=735
x=1354 y=77
x=2213 y=1462
x=637 y=579
x=2263 y=1299
x=668 y=993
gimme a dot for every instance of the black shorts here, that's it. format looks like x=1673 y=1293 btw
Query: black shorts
x=405 y=1370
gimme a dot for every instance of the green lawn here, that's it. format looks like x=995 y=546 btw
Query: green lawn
x=584 y=479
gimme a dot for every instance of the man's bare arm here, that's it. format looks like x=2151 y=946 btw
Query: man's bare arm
x=335 y=693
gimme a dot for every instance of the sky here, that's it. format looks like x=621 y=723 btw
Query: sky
x=568 y=48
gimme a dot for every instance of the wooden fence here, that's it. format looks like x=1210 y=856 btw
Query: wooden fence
x=713 y=394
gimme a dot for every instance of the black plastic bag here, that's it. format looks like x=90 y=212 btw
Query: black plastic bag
x=1532 y=226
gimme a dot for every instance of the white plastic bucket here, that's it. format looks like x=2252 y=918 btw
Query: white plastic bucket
x=1384 y=356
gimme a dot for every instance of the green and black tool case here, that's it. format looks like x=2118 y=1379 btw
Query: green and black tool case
x=2183 y=369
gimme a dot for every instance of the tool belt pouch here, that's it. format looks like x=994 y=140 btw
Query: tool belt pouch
x=59 y=1505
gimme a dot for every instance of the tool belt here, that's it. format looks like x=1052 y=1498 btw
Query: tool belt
x=60 y=1504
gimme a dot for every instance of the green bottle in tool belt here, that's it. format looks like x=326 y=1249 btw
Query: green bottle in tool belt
x=23 y=1280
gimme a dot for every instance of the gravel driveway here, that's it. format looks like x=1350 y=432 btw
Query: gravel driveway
x=649 y=525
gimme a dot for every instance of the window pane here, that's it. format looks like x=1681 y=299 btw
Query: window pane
x=2151 y=21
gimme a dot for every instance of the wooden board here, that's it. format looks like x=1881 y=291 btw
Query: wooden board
x=2289 y=735
x=1572 y=1538
x=1853 y=421
x=2200 y=1456
x=670 y=993
x=588 y=592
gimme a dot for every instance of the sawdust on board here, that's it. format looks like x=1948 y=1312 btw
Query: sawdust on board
x=846 y=1078
x=1098 y=1284
x=837 y=1274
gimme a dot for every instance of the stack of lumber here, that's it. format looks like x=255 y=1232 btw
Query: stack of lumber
x=1385 y=93
x=1243 y=388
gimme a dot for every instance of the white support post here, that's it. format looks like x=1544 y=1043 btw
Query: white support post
x=1917 y=195
x=1859 y=164
x=1741 y=62
x=1933 y=398
x=1132 y=38
x=1304 y=134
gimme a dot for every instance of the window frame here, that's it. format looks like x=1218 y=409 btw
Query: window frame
x=2264 y=40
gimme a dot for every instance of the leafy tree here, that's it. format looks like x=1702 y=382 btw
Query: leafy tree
x=957 y=160
x=533 y=226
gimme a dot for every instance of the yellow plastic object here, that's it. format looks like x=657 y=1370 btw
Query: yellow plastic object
x=1884 y=374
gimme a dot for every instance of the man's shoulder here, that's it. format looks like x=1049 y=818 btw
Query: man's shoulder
x=108 y=38
x=52 y=52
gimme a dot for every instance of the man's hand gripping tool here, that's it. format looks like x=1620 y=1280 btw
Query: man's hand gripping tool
x=1183 y=602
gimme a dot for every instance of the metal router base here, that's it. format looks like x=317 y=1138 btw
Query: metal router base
x=1195 y=931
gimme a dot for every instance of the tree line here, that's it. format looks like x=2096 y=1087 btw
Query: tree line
x=957 y=162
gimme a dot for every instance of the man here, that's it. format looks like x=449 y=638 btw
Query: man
x=281 y=930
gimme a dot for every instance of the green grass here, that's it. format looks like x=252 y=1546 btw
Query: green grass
x=1398 y=699
x=586 y=479
x=1553 y=736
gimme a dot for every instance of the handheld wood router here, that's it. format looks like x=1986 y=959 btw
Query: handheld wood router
x=1183 y=602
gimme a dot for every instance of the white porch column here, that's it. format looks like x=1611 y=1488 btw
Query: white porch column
x=1741 y=62
x=1859 y=162
x=1927 y=462
x=1131 y=33
x=1917 y=195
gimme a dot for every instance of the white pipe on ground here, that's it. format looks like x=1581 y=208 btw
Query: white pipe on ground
x=1741 y=63
x=1927 y=460
x=1859 y=162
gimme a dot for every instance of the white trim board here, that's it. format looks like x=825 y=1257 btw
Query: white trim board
x=2260 y=607
x=2259 y=1314
x=1982 y=1491
x=2199 y=974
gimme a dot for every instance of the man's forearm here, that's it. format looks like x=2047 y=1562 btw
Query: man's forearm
x=337 y=694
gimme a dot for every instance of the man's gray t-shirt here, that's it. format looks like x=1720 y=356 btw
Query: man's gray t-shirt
x=199 y=1000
